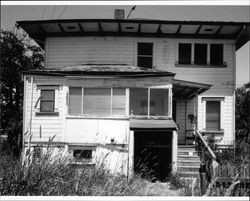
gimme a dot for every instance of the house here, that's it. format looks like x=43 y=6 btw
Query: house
x=131 y=92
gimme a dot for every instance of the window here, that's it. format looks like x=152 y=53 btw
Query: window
x=216 y=54
x=200 y=54
x=80 y=154
x=75 y=100
x=156 y=106
x=213 y=115
x=185 y=53
x=145 y=55
x=47 y=103
x=118 y=101
x=97 y=101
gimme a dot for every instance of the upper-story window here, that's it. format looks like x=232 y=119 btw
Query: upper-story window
x=216 y=54
x=185 y=53
x=145 y=55
x=201 y=54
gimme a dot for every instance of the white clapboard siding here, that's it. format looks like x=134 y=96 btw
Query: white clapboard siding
x=43 y=127
x=81 y=130
x=122 y=50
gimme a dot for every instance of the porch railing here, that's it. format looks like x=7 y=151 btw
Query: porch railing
x=201 y=142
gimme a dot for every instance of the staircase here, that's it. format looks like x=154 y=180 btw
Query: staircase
x=188 y=162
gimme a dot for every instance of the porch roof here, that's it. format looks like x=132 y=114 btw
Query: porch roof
x=187 y=89
x=40 y=29
x=155 y=124
x=122 y=70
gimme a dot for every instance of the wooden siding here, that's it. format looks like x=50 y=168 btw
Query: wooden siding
x=44 y=126
x=115 y=50
x=83 y=130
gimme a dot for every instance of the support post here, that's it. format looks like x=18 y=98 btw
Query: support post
x=174 y=151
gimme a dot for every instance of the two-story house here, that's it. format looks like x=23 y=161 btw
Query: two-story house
x=130 y=91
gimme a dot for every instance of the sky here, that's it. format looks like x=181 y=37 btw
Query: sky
x=12 y=13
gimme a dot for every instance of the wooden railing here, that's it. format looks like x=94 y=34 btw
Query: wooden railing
x=199 y=138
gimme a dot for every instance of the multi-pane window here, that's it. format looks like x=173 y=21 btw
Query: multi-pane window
x=149 y=102
x=200 y=54
x=213 y=115
x=216 y=54
x=145 y=55
x=97 y=101
x=47 y=102
x=185 y=53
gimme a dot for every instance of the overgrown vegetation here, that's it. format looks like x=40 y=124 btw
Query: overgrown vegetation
x=52 y=175
x=18 y=53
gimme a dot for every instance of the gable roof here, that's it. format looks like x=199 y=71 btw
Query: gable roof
x=40 y=29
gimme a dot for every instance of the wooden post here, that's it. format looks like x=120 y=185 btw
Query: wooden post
x=203 y=183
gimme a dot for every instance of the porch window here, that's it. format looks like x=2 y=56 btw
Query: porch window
x=47 y=103
x=75 y=100
x=97 y=101
x=213 y=115
x=200 y=54
x=216 y=54
x=185 y=53
x=149 y=102
x=145 y=55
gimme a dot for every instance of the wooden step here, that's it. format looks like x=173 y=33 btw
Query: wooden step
x=188 y=174
x=186 y=157
x=181 y=168
x=187 y=153
x=188 y=163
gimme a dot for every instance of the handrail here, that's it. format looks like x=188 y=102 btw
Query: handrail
x=206 y=145
x=214 y=163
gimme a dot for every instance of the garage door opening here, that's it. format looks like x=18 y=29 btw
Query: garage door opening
x=153 y=154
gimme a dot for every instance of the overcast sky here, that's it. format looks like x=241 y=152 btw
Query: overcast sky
x=11 y=14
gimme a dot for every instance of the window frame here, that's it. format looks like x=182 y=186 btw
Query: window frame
x=147 y=56
x=149 y=102
x=208 y=64
x=111 y=115
x=204 y=103
x=44 y=101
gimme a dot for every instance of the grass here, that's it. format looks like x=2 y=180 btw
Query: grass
x=52 y=175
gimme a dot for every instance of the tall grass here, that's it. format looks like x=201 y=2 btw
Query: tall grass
x=53 y=175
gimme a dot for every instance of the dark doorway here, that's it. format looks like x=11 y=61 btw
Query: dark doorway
x=153 y=154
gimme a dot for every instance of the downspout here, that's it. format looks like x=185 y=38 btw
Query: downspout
x=31 y=105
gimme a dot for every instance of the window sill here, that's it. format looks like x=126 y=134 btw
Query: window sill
x=207 y=132
x=47 y=113
x=200 y=66
x=97 y=117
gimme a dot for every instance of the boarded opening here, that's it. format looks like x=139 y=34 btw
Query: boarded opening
x=153 y=154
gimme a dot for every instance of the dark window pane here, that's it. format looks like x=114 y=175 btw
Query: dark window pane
x=145 y=49
x=97 y=101
x=216 y=54
x=159 y=102
x=75 y=100
x=118 y=101
x=200 y=54
x=47 y=106
x=82 y=154
x=213 y=115
x=145 y=62
x=47 y=101
x=184 y=53
x=47 y=95
x=138 y=101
